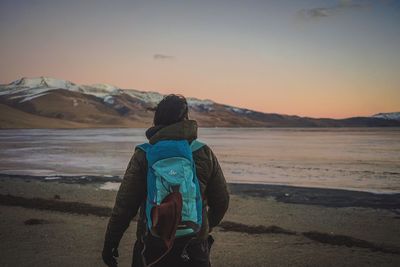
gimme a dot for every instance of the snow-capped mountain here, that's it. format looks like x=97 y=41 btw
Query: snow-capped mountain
x=26 y=89
x=55 y=103
x=388 y=116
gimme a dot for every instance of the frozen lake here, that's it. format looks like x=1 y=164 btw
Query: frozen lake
x=365 y=159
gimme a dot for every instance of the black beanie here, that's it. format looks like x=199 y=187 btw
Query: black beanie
x=171 y=109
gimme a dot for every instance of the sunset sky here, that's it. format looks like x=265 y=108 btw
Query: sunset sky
x=310 y=58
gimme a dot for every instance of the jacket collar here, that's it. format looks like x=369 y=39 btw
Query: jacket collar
x=186 y=129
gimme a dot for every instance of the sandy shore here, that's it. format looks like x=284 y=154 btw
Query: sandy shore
x=60 y=224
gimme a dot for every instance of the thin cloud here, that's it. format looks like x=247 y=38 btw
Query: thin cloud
x=163 y=57
x=327 y=11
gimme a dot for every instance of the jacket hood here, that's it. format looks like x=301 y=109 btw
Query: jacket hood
x=186 y=129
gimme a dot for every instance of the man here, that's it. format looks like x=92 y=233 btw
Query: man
x=171 y=122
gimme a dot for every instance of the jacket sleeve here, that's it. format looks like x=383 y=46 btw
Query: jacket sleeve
x=216 y=193
x=130 y=196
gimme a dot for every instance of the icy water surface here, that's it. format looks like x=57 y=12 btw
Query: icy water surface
x=365 y=159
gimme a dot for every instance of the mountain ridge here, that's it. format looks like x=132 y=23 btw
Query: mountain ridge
x=388 y=116
x=49 y=102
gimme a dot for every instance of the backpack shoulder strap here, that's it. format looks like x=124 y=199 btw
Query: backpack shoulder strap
x=196 y=145
x=145 y=147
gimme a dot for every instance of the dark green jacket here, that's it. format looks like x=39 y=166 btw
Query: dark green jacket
x=132 y=192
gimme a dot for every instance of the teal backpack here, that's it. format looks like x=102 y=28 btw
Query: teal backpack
x=171 y=169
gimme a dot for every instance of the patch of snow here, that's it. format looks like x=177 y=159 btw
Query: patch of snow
x=104 y=87
x=388 y=116
x=75 y=102
x=7 y=90
x=62 y=84
x=29 y=98
x=239 y=110
x=148 y=97
x=23 y=92
x=195 y=102
x=109 y=100
x=100 y=90
x=46 y=82
x=30 y=88
x=27 y=93
x=113 y=186
x=52 y=178
x=29 y=82
x=206 y=105
x=236 y=110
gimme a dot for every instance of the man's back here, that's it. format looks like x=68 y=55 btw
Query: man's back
x=132 y=192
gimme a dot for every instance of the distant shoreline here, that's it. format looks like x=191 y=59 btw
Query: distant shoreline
x=253 y=188
x=209 y=127
x=327 y=197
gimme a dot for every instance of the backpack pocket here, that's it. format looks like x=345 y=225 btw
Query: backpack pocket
x=177 y=172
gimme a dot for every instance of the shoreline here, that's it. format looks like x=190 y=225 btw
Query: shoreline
x=95 y=179
x=100 y=127
x=327 y=197
x=338 y=198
